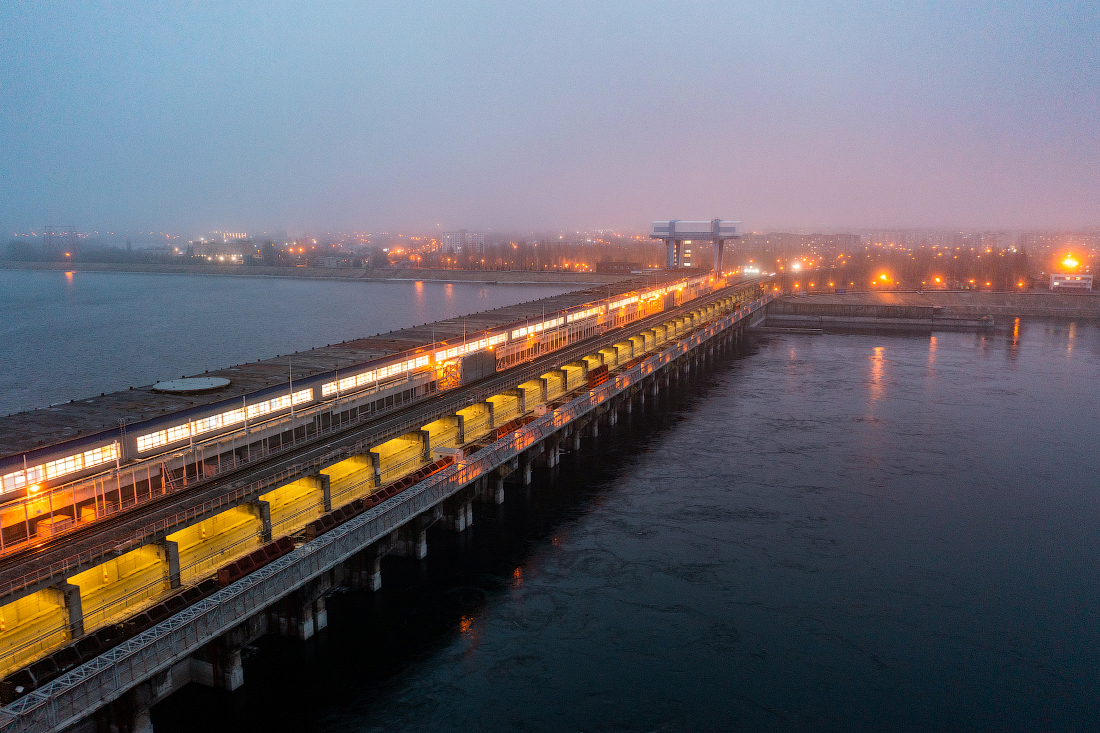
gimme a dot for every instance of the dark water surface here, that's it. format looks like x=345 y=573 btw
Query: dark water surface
x=68 y=335
x=826 y=533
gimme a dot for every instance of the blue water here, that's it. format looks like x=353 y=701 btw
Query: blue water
x=826 y=533
x=68 y=335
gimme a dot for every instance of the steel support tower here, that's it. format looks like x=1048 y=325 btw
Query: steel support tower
x=677 y=233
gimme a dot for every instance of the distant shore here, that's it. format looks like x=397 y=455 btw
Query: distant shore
x=403 y=273
x=968 y=304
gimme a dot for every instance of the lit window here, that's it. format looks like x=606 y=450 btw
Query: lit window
x=152 y=440
x=63 y=466
x=97 y=456
x=178 y=433
x=207 y=423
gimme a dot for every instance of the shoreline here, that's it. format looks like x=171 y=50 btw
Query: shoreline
x=507 y=277
x=941 y=305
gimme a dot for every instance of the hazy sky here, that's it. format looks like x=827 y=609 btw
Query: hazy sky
x=190 y=116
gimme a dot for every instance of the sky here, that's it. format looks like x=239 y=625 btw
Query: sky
x=329 y=116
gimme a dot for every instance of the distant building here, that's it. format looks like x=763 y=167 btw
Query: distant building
x=463 y=241
x=617 y=268
x=331 y=261
x=218 y=251
x=1065 y=281
x=230 y=236
x=814 y=243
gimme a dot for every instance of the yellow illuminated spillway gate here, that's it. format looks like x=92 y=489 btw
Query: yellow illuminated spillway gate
x=35 y=624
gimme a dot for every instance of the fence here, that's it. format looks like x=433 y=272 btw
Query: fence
x=83 y=690
x=395 y=426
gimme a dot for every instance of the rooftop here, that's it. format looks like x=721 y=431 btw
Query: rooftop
x=46 y=426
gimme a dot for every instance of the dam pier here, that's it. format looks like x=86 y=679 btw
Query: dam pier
x=147 y=536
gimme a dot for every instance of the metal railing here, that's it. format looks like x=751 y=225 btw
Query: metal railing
x=235 y=495
x=194 y=452
x=74 y=695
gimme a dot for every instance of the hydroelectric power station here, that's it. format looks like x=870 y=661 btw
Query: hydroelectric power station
x=146 y=536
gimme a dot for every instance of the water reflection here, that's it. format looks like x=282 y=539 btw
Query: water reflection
x=1013 y=350
x=810 y=574
x=878 y=367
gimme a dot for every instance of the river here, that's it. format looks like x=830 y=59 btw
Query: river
x=837 y=532
x=68 y=335
x=832 y=532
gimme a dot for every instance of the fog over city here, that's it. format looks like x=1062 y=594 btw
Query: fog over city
x=324 y=116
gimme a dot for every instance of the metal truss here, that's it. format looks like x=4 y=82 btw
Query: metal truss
x=89 y=687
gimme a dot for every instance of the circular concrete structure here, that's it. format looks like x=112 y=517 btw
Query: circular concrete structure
x=191 y=385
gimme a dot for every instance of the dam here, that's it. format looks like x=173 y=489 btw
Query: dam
x=148 y=535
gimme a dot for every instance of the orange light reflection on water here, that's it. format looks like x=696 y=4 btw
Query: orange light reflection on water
x=878 y=382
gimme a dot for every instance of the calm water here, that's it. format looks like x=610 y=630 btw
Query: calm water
x=827 y=533
x=65 y=336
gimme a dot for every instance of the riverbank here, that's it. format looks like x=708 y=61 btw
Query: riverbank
x=969 y=303
x=403 y=273
x=928 y=310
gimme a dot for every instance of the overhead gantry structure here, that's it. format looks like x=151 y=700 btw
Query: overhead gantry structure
x=677 y=234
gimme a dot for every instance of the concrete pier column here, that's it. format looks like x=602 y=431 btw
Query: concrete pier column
x=496 y=489
x=492 y=418
x=365 y=568
x=374 y=572
x=425 y=444
x=218 y=664
x=305 y=627
x=141 y=707
x=263 y=508
x=457 y=514
x=320 y=614
x=612 y=416
x=71 y=594
x=131 y=711
x=521 y=399
x=172 y=560
x=576 y=439
x=376 y=467
x=419 y=545
x=232 y=672
x=549 y=457
x=594 y=426
x=525 y=472
x=326 y=493
x=629 y=404
x=457 y=521
x=565 y=377
x=412 y=541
